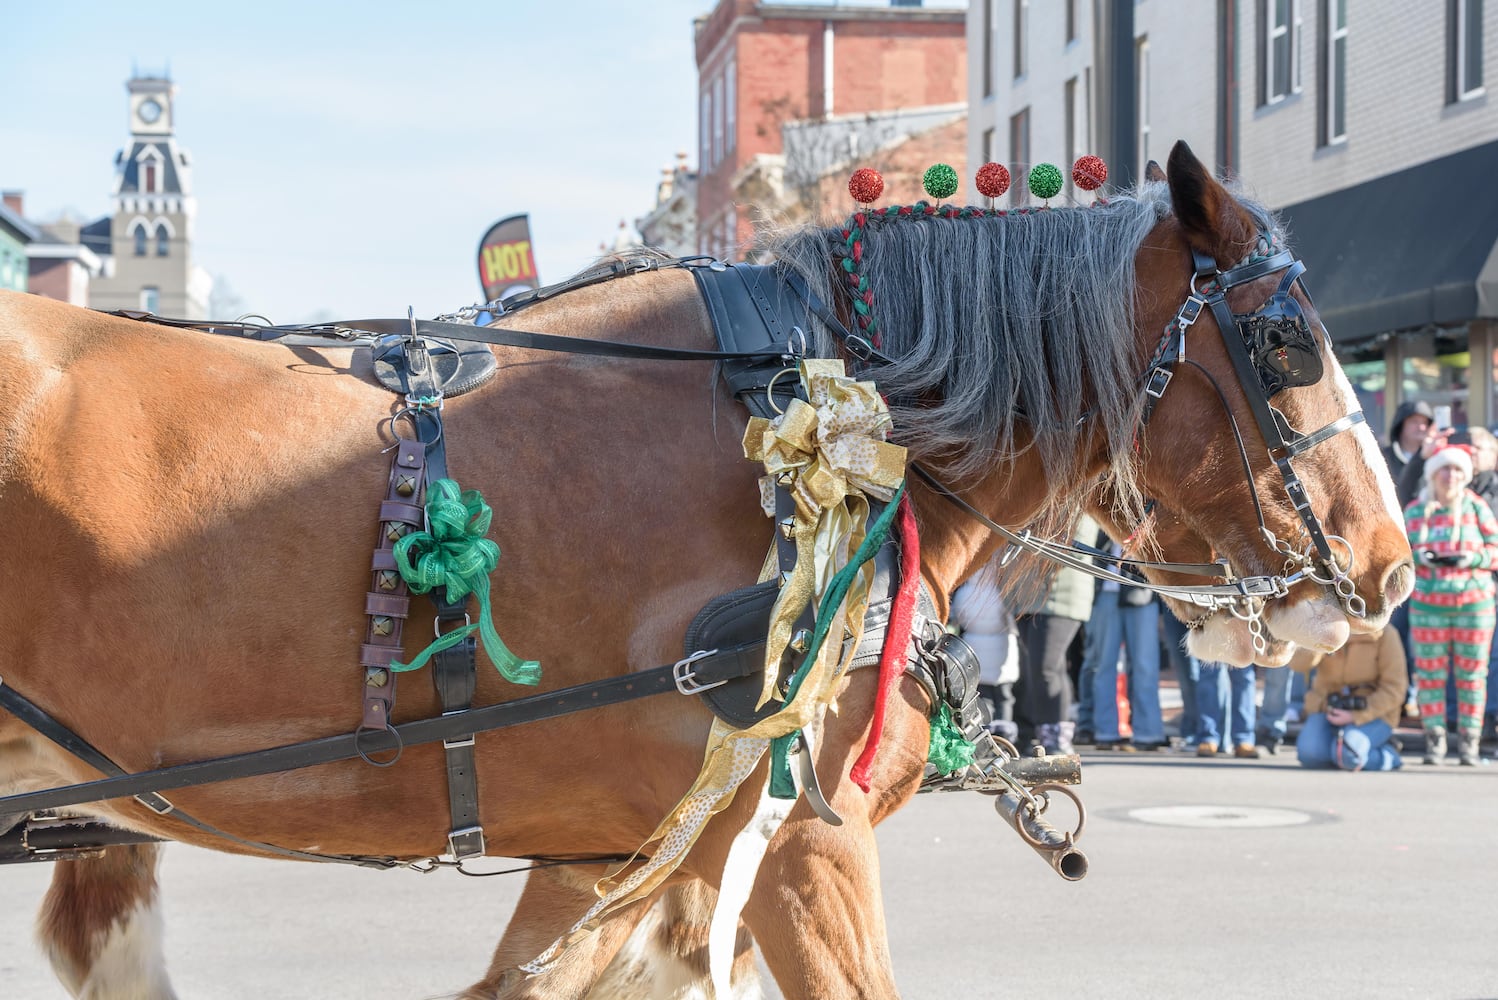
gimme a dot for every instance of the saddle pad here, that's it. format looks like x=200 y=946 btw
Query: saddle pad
x=459 y=366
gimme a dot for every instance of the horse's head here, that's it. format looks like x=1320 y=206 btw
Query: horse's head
x=1258 y=443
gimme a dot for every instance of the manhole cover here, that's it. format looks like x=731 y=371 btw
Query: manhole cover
x=1220 y=817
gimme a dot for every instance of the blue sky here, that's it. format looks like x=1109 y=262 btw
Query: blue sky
x=348 y=157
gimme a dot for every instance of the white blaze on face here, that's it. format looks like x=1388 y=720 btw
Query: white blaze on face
x=1367 y=443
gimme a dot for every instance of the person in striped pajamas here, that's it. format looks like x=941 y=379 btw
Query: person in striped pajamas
x=1455 y=538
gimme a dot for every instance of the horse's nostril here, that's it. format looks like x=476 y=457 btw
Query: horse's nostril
x=1398 y=584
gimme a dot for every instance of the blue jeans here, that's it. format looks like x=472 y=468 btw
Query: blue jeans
x=1351 y=748
x=1092 y=640
x=1136 y=631
x=1277 y=682
x=1225 y=720
x=1187 y=669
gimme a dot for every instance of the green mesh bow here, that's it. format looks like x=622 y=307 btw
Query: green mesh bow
x=453 y=553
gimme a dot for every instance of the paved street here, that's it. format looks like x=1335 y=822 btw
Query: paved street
x=1384 y=885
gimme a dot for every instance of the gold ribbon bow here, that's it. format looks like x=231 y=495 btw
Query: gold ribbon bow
x=830 y=453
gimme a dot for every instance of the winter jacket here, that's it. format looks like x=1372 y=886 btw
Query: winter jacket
x=1070 y=595
x=1372 y=666
x=1407 y=409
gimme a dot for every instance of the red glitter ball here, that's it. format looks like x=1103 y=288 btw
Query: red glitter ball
x=866 y=185
x=1089 y=172
x=993 y=179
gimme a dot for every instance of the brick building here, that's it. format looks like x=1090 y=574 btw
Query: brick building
x=1366 y=125
x=764 y=67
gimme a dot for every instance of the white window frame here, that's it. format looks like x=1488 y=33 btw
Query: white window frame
x=150 y=299
x=1463 y=92
x=1272 y=32
x=1336 y=73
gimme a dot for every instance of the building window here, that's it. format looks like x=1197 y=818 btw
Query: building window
x=140 y=241
x=1142 y=76
x=163 y=241
x=150 y=184
x=730 y=118
x=990 y=145
x=1334 y=79
x=1019 y=156
x=150 y=299
x=1021 y=29
x=1279 y=57
x=717 y=121
x=1465 y=49
x=1069 y=109
x=705 y=132
x=988 y=30
x=1071 y=20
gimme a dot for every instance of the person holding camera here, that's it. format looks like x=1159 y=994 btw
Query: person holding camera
x=1353 y=704
x=1455 y=539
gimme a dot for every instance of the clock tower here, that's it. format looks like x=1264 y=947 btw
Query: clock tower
x=148 y=239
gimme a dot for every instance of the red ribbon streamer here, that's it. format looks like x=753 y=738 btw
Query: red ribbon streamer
x=896 y=638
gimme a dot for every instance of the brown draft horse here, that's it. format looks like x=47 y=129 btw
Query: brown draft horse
x=192 y=516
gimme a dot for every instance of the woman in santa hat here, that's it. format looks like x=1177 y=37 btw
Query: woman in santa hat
x=1455 y=538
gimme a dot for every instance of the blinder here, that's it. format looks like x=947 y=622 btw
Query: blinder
x=1280 y=340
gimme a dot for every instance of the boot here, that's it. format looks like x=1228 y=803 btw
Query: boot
x=1435 y=745
x=1064 y=733
x=1048 y=735
x=1466 y=748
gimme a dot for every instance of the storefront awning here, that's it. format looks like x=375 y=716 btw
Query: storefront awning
x=1406 y=250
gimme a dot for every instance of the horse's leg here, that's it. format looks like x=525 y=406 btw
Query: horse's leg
x=818 y=915
x=817 y=910
x=101 y=925
x=667 y=955
x=552 y=901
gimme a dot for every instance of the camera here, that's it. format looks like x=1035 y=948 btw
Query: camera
x=1346 y=701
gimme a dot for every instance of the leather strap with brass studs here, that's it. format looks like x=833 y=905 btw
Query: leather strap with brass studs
x=387 y=604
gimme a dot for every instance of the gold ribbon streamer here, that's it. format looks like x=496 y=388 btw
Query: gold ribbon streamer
x=834 y=451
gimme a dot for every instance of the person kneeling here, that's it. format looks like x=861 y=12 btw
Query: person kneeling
x=1353 y=704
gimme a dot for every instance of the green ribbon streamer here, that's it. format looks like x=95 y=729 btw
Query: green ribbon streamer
x=950 y=751
x=453 y=553
x=781 y=786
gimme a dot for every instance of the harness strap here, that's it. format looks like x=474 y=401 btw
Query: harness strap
x=387 y=603
x=442 y=329
x=28 y=712
x=706 y=668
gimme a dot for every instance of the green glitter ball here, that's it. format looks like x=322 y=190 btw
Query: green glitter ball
x=940 y=181
x=1045 y=180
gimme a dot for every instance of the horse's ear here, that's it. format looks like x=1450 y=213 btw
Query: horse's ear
x=1212 y=219
x=1152 y=172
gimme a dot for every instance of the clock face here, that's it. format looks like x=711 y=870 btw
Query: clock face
x=150 y=111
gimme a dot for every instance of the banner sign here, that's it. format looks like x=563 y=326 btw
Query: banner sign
x=507 y=264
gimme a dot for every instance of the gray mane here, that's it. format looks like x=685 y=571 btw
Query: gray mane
x=1015 y=325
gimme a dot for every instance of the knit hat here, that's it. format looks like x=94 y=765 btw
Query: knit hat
x=1459 y=455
